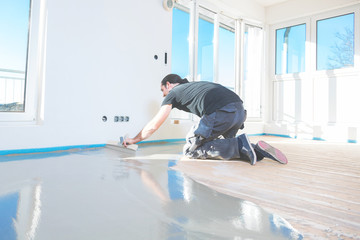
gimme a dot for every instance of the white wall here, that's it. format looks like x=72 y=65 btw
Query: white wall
x=99 y=61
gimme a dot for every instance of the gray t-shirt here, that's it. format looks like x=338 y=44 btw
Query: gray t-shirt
x=200 y=98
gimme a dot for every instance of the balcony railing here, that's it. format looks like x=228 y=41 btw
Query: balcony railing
x=12 y=90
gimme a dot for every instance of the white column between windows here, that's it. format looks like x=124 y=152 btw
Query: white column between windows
x=239 y=45
x=193 y=39
x=216 y=49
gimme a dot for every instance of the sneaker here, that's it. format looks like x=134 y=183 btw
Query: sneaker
x=246 y=149
x=270 y=152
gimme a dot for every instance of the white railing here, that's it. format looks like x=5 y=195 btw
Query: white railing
x=12 y=90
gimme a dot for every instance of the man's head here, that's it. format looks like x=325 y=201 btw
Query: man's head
x=170 y=81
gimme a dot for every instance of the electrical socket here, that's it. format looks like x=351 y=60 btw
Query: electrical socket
x=121 y=119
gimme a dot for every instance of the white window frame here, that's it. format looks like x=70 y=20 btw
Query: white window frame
x=241 y=79
x=272 y=55
x=230 y=24
x=311 y=73
x=193 y=8
x=220 y=20
x=332 y=14
x=35 y=69
x=278 y=79
x=310 y=45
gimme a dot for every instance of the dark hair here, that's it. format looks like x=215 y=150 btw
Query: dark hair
x=173 y=78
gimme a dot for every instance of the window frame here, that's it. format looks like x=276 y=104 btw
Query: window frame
x=197 y=12
x=287 y=59
x=34 y=68
x=311 y=77
x=228 y=24
x=328 y=15
x=210 y=17
x=241 y=89
x=317 y=37
x=221 y=20
x=272 y=44
x=310 y=45
x=185 y=10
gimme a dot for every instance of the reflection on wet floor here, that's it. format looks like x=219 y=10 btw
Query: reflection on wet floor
x=104 y=194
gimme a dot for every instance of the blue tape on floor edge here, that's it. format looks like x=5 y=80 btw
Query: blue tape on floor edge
x=318 y=139
x=49 y=149
x=164 y=140
x=278 y=135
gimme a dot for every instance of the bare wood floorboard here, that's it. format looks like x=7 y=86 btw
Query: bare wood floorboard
x=318 y=191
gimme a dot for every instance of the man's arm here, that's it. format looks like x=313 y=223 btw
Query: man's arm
x=151 y=126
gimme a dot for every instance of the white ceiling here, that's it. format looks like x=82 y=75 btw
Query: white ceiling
x=267 y=3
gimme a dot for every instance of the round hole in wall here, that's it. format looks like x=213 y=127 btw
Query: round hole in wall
x=156 y=57
x=104 y=118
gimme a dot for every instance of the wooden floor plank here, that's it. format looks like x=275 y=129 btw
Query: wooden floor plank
x=318 y=191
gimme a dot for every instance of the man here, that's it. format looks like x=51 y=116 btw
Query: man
x=222 y=115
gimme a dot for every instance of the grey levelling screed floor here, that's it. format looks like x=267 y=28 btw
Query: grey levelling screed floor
x=154 y=193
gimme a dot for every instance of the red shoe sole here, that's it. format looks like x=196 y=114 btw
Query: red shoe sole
x=274 y=152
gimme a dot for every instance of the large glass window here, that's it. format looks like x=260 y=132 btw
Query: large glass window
x=290 y=49
x=211 y=47
x=252 y=65
x=227 y=56
x=205 y=59
x=335 y=42
x=180 y=51
x=14 y=32
x=180 y=43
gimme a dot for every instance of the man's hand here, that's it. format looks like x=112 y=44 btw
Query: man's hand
x=128 y=141
x=151 y=126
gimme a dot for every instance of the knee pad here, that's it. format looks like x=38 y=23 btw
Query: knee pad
x=195 y=143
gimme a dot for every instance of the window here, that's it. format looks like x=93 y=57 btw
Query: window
x=227 y=56
x=290 y=49
x=252 y=65
x=209 y=41
x=317 y=97
x=180 y=43
x=22 y=60
x=14 y=32
x=205 y=49
x=180 y=51
x=335 y=42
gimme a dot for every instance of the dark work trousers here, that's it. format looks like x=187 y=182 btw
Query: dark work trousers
x=214 y=136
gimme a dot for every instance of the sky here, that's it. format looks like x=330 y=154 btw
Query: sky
x=180 y=49
x=295 y=52
x=14 y=22
x=180 y=43
x=327 y=38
